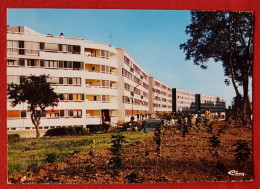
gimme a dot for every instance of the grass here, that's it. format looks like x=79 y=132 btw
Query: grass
x=30 y=154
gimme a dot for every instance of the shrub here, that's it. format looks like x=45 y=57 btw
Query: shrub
x=116 y=152
x=13 y=138
x=67 y=131
x=158 y=138
x=242 y=151
x=100 y=127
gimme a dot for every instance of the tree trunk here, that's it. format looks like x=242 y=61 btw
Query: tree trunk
x=37 y=128
x=247 y=107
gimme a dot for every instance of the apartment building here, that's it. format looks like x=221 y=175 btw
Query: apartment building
x=133 y=82
x=215 y=104
x=183 y=101
x=96 y=83
x=83 y=73
x=160 y=97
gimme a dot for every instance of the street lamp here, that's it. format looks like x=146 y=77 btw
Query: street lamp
x=132 y=94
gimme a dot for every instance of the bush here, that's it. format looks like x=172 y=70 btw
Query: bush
x=67 y=131
x=13 y=138
x=242 y=152
x=100 y=127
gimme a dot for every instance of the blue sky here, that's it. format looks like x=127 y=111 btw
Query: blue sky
x=152 y=37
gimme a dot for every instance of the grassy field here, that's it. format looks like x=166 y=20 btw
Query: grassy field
x=30 y=154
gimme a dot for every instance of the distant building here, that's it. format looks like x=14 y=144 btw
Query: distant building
x=215 y=104
x=183 y=101
x=160 y=97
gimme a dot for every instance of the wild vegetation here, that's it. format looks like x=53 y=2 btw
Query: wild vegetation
x=136 y=157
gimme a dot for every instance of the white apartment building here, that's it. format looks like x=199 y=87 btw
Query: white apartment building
x=83 y=73
x=183 y=101
x=215 y=104
x=160 y=97
x=133 y=96
x=95 y=82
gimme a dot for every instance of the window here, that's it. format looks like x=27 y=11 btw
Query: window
x=31 y=62
x=103 y=54
x=23 y=113
x=66 y=113
x=78 y=81
x=61 y=80
x=70 y=64
x=42 y=46
x=77 y=65
x=76 y=49
x=66 y=96
x=21 y=47
x=51 y=47
x=71 y=113
x=70 y=80
x=61 y=113
x=12 y=62
x=65 y=64
x=21 y=62
x=70 y=96
x=74 y=81
x=65 y=81
x=42 y=63
x=60 y=64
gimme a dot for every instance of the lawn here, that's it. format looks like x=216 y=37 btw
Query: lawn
x=30 y=154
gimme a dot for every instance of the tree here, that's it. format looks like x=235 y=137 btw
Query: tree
x=226 y=37
x=37 y=93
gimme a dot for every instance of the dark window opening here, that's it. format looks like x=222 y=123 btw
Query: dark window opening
x=76 y=49
x=22 y=62
x=42 y=63
x=42 y=46
x=60 y=64
x=76 y=65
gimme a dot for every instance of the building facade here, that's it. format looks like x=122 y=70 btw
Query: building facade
x=134 y=92
x=84 y=74
x=215 y=104
x=96 y=83
x=160 y=97
x=183 y=101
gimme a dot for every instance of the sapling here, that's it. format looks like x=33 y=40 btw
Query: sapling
x=116 y=161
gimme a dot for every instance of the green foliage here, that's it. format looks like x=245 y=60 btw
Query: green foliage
x=28 y=150
x=242 y=152
x=225 y=37
x=53 y=157
x=13 y=138
x=116 y=152
x=67 y=131
x=97 y=128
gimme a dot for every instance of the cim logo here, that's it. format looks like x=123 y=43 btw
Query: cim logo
x=236 y=173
